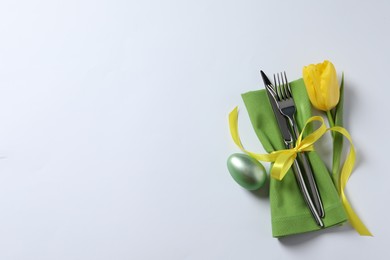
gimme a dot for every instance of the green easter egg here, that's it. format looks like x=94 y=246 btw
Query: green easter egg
x=246 y=171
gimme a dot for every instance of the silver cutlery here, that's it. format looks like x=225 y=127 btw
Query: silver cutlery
x=286 y=105
x=289 y=142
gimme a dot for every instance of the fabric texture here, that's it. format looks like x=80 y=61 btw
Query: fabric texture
x=289 y=212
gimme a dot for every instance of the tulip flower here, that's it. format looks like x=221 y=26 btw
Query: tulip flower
x=324 y=94
x=321 y=85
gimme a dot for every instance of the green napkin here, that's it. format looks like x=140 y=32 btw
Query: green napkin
x=289 y=212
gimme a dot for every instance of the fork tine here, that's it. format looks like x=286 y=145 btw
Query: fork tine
x=278 y=86
x=282 y=86
x=287 y=86
x=285 y=93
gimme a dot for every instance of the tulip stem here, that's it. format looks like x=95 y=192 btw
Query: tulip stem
x=331 y=120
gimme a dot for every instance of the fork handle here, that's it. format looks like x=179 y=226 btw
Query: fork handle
x=304 y=191
x=309 y=175
x=312 y=184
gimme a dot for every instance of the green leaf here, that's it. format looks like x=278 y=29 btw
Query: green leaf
x=338 y=138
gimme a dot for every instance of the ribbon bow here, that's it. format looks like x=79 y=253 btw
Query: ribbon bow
x=283 y=159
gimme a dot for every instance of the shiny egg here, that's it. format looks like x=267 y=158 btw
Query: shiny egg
x=246 y=171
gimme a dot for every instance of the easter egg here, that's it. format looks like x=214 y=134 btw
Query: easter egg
x=246 y=171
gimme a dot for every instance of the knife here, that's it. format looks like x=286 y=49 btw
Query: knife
x=288 y=141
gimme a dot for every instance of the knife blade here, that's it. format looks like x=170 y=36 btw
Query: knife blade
x=288 y=140
x=283 y=126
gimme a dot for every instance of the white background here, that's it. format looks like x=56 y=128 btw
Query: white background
x=114 y=134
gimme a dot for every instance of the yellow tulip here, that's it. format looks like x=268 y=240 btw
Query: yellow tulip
x=321 y=85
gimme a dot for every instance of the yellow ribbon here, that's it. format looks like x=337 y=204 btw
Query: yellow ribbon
x=283 y=159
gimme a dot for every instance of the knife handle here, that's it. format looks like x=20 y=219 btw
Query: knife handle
x=305 y=192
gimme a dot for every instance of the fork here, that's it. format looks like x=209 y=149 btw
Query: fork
x=286 y=105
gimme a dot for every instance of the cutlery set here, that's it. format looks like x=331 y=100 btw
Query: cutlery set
x=283 y=106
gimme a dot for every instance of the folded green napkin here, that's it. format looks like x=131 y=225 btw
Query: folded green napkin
x=289 y=212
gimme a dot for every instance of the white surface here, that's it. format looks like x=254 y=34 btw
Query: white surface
x=114 y=135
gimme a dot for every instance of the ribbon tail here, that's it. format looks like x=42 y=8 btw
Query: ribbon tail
x=346 y=171
x=354 y=220
x=233 y=126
